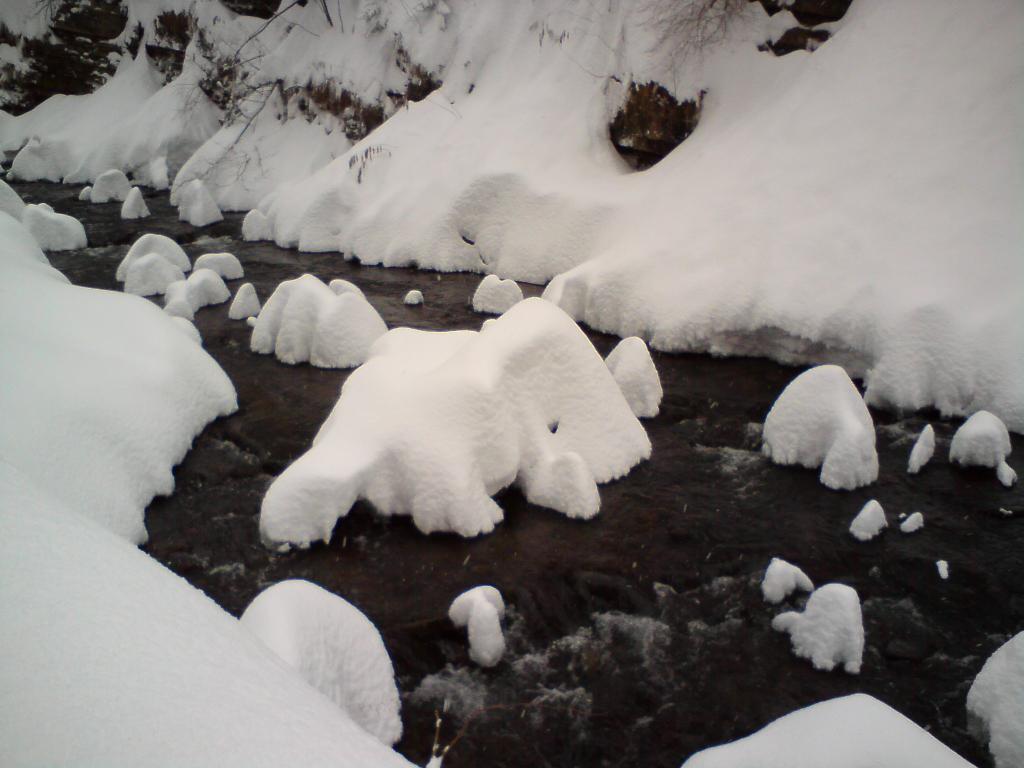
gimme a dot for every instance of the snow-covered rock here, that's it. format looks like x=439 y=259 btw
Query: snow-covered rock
x=821 y=420
x=10 y=201
x=177 y=303
x=334 y=647
x=481 y=610
x=984 y=441
x=942 y=566
x=869 y=522
x=995 y=704
x=912 y=522
x=205 y=287
x=782 y=579
x=433 y=424
x=633 y=370
x=413 y=298
x=110 y=186
x=255 y=226
x=495 y=295
x=53 y=231
x=86 y=194
x=245 y=304
x=856 y=731
x=40 y=161
x=150 y=275
x=154 y=173
x=153 y=243
x=196 y=205
x=188 y=328
x=134 y=207
x=923 y=450
x=830 y=631
x=226 y=265
x=305 y=321
x=340 y=286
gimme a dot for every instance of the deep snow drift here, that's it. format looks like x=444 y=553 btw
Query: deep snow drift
x=995 y=703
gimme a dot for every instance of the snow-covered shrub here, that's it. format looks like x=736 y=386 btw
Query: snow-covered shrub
x=413 y=298
x=633 y=370
x=912 y=523
x=245 y=304
x=153 y=243
x=110 y=186
x=150 y=275
x=481 y=610
x=923 y=450
x=984 y=441
x=134 y=207
x=782 y=579
x=495 y=295
x=995 y=703
x=226 y=265
x=830 y=631
x=10 y=201
x=196 y=205
x=53 y=231
x=869 y=522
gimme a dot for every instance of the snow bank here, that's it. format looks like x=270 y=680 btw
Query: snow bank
x=110 y=185
x=849 y=732
x=245 y=304
x=912 y=523
x=153 y=243
x=433 y=424
x=305 y=321
x=495 y=295
x=150 y=275
x=481 y=610
x=869 y=522
x=413 y=298
x=224 y=264
x=830 y=631
x=53 y=231
x=10 y=201
x=995 y=703
x=633 y=370
x=134 y=206
x=782 y=579
x=334 y=648
x=196 y=205
x=923 y=450
x=983 y=441
x=821 y=420
x=205 y=287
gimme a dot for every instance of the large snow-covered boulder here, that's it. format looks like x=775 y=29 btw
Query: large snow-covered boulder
x=820 y=419
x=134 y=206
x=53 y=231
x=855 y=731
x=334 y=647
x=10 y=201
x=830 y=631
x=995 y=704
x=480 y=610
x=153 y=243
x=109 y=186
x=923 y=450
x=984 y=441
x=781 y=579
x=495 y=295
x=433 y=424
x=305 y=321
x=245 y=304
x=226 y=265
x=633 y=370
x=150 y=275
x=196 y=205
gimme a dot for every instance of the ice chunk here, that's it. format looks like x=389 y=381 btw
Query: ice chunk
x=245 y=304
x=983 y=441
x=197 y=206
x=481 y=610
x=869 y=522
x=633 y=370
x=413 y=298
x=334 y=647
x=10 y=201
x=496 y=296
x=53 y=231
x=110 y=186
x=821 y=420
x=255 y=226
x=830 y=631
x=153 y=243
x=913 y=522
x=176 y=301
x=224 y=264
x=134 y=206
x=340 y=286
x=943 y=568
x=995 y=704
x=781 y=579
x=205 y=287
x=150 y=275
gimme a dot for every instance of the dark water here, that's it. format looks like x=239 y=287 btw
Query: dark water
x=636 y=638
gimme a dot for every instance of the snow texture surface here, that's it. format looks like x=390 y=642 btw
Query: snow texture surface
x=995 y=703
x=869 y=522
x=480 y=610
x=830 y=631
x=781 y=579
x=633 y=370
x=10 y=201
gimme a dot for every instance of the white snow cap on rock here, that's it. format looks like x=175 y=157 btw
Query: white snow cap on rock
x=869 y=522
x=782 y=579
x=255 y=226
x=134 y=207
x=10 y=201
x=413 y=298
x=305 y=321
x=633 y=370
x=226 y=265
x=820 y=419
x=830 y=631
x=150 y=275
x=995 y=704
x=340 y=287
x=86 y=194
x=53 y=231
x=334 y=647
x=855 y=731
x=245 y=304
x=433 y=424
x=481 y=610
x=912 y=522
x=110 y=186
x=495 y=296
x=205 y=287
x=197 y=206
x=923 y=450
x=983 y=441
x=153 y=243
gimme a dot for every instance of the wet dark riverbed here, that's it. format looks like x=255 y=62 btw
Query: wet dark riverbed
x=635 y=638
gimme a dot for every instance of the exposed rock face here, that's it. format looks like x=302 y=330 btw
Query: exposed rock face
x=651 y=123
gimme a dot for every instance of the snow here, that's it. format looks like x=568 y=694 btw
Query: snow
x=224 y=264
x=434 y=423
x=10 y=201
x=821 y=420
x=995 y=704
x=109 y=186
x=305 y=321
x=205 y=287
x=196 y=206
x=923 y=450
x=856 y=731
x=984 y=441
x=869 y=522
x=39 y=162
x=188 y=328
x=255 y=226
x=633 y=370
x=782 y=579
x=245 y=304
x=334 y=647
x=150 y=275
x=942 y=567
x=340 y=286
x=134 y=206
x=177 y=302
x=153 y=243
x=53 y=231
x=495 y=295
x=912 y=523
x=86 y=194
x=413 y=298
x=481 y=610
x=830 y=631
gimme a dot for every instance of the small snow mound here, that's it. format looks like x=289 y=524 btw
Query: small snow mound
x=153 y=243
x=781 y=579
x=86 y=194
x=53 y=231
x=995 y=704
x=205 y=287
x=224 y=264
x=820 y=419
x=196 y=205
x=912 y=523
x=11 y=202
x=984 y=441
x=176 y=301
x=923 y=450
x=150 y=275
x=340 y=287
x=334 y=647
x=110 y=186
x=134 y=207
x=496 y=296
x=189 y=329
x=413 y=298
x=869 y=522
x=830 y=631
x=245 y=304
x=481 y=609
x=633 y=370
x=943 y=568
x=256 y=226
